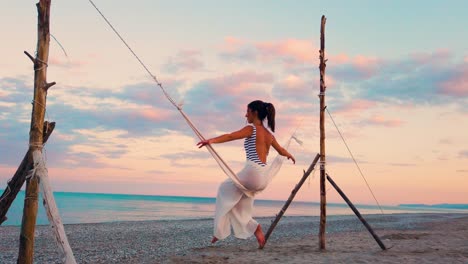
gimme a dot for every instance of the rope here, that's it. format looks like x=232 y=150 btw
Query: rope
x=66 y=55
x=213 y=152
x=355 y=162
x=41 y=61
x=43 y=64
x=36 y=144
x=32 y=172
x=7 y=191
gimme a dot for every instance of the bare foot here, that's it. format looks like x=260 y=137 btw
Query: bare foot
x=214 y=240
x=260 y=237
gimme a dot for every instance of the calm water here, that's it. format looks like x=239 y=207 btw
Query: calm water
x=96 y=208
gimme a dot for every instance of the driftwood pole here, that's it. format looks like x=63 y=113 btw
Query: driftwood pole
x=17 y=181
x=40 y=170
x=356 y=212
x=291 y=197
x=323 y=198
x=36 y=140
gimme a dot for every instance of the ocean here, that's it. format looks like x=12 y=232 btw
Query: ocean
x=78 y=208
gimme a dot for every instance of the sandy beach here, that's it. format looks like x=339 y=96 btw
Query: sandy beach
x=411 y=238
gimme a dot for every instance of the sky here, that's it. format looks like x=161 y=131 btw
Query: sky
x=397 y=89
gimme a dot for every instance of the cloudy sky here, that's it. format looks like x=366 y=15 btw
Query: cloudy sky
x=397 y=77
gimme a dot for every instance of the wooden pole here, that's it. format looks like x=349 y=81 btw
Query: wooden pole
x=291 y=197
x=323 y=198
x=17 y=181
x=356 y=212
x=36 y=140
x=51 y=209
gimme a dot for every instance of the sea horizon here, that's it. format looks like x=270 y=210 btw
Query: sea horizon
x=87 y=207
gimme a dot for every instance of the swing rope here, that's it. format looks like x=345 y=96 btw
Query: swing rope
x=355 y=162
x=227 y=170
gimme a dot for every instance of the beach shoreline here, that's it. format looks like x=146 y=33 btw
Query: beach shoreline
x=415 y=237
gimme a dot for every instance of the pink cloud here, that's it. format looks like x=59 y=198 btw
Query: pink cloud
x=296 y=92
x=240 y=82
x=294 y=86
x=143 y=95
x=152 y=114
x=366 y=65
x=363 y=61
x=431 y=58
x=458 y=84
x=339 y=59
x=65 y=63
x=293 y=82
x=185 y=60
x=232 y=43
x=382 y=121
x=357 y=106
x=329 y=81
x=295 y=49
x=358 y=61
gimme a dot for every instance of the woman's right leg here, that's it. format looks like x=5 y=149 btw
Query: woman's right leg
x=227 y=198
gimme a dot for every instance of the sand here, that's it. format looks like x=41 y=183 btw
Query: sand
x=410 y=238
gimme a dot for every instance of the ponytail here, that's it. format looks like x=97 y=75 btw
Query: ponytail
x=264 y=110
x=270 y=110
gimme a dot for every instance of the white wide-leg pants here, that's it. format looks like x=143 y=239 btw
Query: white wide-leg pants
x=234 y=208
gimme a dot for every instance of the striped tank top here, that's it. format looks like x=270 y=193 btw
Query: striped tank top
x=251 y=149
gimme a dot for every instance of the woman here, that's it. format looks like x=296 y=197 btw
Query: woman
x=233 y=207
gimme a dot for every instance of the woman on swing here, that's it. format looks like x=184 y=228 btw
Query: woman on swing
x=233 y=207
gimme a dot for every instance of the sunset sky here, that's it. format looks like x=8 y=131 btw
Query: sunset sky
x=397 y=78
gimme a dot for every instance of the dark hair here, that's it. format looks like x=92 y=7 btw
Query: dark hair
x=264 y=110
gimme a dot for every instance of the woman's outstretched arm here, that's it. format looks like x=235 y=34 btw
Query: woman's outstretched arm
x=243 y=133
x=282 y=151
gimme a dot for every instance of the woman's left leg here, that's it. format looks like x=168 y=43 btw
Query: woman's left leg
x=242 y=222
x=240 y=215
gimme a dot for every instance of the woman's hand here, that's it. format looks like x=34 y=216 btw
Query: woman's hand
x=203 y=143
x=291 y=158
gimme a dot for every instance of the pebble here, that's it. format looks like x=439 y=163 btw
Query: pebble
x=158 y=241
